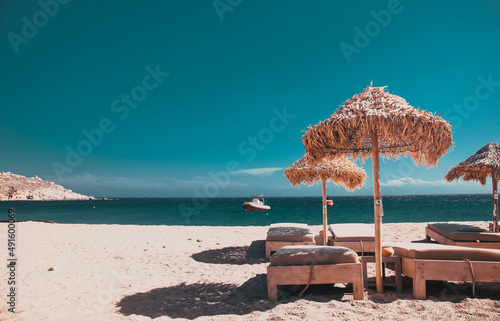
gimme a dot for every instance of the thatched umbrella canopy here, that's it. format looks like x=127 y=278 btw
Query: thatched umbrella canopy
x=484 y=163
x=339 y=170
x=375 y=123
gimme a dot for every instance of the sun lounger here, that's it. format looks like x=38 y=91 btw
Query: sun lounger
x=429 y=261
x=313 y=264
x=283 y=234
x=462 y=235
x=389 y=261
x=356 y=236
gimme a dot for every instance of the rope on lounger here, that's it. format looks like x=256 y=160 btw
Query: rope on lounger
x=362 y=248
x=473 y=278
x=301 y=294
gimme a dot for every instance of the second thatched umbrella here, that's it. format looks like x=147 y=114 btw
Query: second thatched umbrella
x=484 y=163
x=338 y=170
x=375 y=123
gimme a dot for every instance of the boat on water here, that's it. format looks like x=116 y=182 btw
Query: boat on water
x=257 y=203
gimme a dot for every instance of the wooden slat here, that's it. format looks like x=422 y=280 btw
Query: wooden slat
x=408 y=267
x=458 y=270
x=396 y=260
x=322 y=274
x=356 y=246
x=479 y=245
x=431 y=234
x=446 y=270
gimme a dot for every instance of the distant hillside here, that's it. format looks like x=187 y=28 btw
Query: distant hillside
x=18 y=187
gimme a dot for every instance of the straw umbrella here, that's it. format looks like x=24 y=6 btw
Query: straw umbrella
x=484 y=163
x=375 y=123
x=339 y=170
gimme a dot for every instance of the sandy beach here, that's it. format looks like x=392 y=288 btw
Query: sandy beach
x=128 y=272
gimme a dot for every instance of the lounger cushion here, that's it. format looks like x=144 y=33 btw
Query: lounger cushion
x=290 y=232
x=313 y=254
x=353 y=232
x=387 y=251
x=289 y=225
x=464 y=232
x=432 y=251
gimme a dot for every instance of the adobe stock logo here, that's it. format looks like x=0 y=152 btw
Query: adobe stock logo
x=250 y=147
x=483 y=91
x=223 y=6
x=265 y=136
x=48 y=9
x=122 y=107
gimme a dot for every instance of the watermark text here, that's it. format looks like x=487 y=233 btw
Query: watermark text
x=11 y=261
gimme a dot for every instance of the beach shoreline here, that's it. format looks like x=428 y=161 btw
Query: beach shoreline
x=144 y=272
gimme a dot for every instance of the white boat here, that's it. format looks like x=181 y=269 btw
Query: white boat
x=257 y=203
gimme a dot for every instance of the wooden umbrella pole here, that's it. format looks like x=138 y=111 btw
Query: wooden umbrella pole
x=325 y=238
x=378 y=211
x=495 y=204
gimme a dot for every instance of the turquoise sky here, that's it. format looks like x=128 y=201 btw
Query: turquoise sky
x=210 y=98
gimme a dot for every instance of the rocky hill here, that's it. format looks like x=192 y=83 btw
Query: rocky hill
x=18 y=187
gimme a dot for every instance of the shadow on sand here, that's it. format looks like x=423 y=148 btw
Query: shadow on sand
x=458 y=291
x=195 y=300
x=441 y=291
x=191 y=301
x=253 y=254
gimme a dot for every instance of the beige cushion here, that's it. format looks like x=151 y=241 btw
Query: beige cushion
x=290 y=232
x=464 y=232
x=309 y=254
x=289 y=225
x=353 y=232
x=432 y=251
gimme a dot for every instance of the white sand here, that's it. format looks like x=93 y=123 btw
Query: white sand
x=125 y=272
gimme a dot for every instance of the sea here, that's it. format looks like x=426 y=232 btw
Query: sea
x=229 y=211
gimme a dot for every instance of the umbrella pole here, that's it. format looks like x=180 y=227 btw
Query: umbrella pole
x=378 y=211
x=495 y=204
x=324 y=213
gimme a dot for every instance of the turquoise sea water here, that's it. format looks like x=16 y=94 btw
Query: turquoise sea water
x=229 y=212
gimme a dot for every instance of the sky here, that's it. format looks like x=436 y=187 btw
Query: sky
x=211 y=98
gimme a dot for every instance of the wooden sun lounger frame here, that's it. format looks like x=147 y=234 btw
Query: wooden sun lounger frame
x=273 y=246
x=421 y=270
x=431 y=234
x=356 y=246
x=322 y=274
